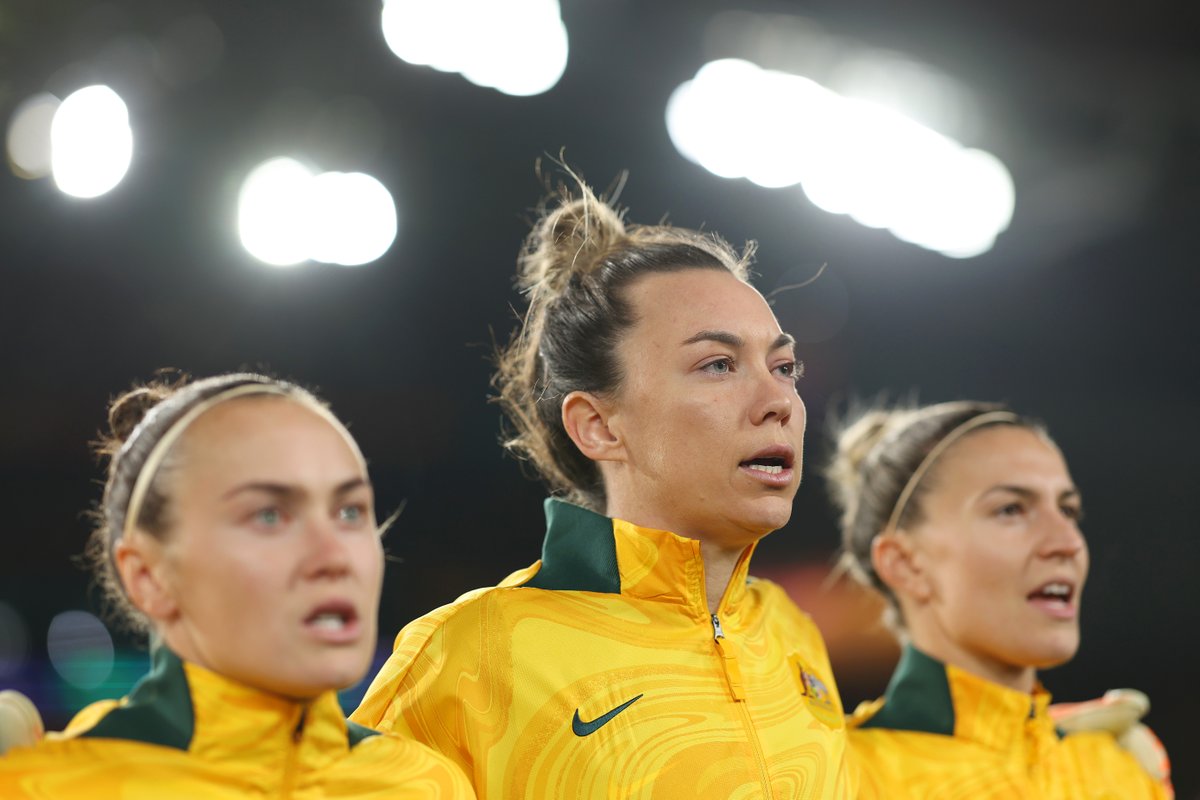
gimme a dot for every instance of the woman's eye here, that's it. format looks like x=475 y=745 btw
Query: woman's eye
x=722 y=366
x=1072 y=512
x=1010 y=510
x=268 y=516
x=792 y=369
x=352 y=513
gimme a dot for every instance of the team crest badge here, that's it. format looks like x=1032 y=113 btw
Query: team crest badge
x=821 y=702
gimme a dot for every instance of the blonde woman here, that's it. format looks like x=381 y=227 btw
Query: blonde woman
x=238 y=529
x=965 y=518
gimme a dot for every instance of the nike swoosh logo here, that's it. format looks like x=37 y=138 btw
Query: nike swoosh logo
x=581 y=728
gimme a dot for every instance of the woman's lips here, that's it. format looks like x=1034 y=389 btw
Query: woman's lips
x=774 y=476
x=771 y=466
x=1056 y=599
x=335 y=622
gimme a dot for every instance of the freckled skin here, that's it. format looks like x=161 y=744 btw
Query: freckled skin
x=689 y=414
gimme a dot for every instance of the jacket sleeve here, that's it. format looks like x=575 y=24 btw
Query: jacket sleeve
x=446 y=683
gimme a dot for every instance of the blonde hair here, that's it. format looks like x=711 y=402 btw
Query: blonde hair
x=871 y=475
x=138 y=420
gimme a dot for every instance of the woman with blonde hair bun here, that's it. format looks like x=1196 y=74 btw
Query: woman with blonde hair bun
x=238 y=529
x=651 y=387
x=964 y=517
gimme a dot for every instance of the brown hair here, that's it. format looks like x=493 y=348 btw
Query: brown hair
x=574 y=269
x=876 y=455
x=137 y=420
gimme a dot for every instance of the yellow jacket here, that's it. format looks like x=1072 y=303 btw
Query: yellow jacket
x=599 y=672
x=185 y=732
x=940 y=733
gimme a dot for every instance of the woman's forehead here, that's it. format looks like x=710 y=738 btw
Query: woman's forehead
x=702 y=299
x=1008 y=454
x=274 y=432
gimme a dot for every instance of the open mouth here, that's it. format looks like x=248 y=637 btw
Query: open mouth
x=1055 y=591
x=1055 y=597
x=772 y=460
x=334 y=617
x=772 y=464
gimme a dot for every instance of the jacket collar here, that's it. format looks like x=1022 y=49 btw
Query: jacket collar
x=187 y=707
x=586 y=551
x=929 y=696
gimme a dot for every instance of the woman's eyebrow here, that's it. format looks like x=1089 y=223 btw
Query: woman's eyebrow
x=733 y=340
x=277 y=489
x=724 y=337
x=285 y=491
x=783 y=340
x=1027 y=493
x=1011 y=487
x=352 y=484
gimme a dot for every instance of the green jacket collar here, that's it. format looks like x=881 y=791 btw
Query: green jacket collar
x=586 y=551
x=158 y=710
x=917 y=697
x=579 y=552
x=186 y=707
x=931 y=697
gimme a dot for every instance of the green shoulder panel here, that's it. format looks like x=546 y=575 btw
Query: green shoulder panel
x=579 y=552
x=917 y=698
x=358 y=733
x=157 y=711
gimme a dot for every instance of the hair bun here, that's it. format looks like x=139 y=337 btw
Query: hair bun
x=570 y=240
x=854 y=446
x=856 y=441
x=130 y=408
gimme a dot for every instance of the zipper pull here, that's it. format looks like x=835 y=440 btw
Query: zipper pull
x=729 y=660
x=298 y=731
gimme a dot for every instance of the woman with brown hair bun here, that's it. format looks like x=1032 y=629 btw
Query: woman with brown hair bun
x=238 y=529
x=964 y=517
x=651 y=387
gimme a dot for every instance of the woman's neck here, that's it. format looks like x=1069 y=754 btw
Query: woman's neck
x=719 y=566
x=1012 y=676
x=720 y=557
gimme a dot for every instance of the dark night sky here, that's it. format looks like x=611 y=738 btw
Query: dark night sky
x=1083 y=313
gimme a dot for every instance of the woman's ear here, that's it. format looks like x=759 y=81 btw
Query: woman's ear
x=899 y=566
x=140 y=563
x=586 y=420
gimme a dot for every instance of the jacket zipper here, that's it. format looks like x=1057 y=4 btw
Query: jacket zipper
x=728 y=652
x=729 y=660
x=292 y=756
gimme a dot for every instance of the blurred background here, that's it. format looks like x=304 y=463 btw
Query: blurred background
x=1004 y=196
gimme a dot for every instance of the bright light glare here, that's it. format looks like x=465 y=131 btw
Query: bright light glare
x=29 y=136
x=287 y=215
x=91 y=143
x=406 y=26
x=518 y=47
x=272 y=206
x=80 y=649
x=850 y=156
x=713 y=140
x=353 y=218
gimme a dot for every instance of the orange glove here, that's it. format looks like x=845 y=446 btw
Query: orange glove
x=20 y=723
x=1118 y=712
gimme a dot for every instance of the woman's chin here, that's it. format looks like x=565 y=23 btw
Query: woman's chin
x=768 y=514
x=1054 y=652
x=328 y=674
